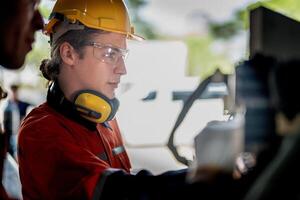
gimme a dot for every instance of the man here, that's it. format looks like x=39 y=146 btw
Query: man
x=18 y=21
x=70 y=147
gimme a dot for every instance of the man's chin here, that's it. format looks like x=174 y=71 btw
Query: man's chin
x=111 y=95
x=17 y=67
x=16 y=64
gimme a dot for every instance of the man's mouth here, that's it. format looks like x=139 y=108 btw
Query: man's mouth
x=114 y=84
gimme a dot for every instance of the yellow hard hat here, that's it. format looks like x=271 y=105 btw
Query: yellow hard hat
x=107 y=15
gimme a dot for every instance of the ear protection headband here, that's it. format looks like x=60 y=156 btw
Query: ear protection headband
x=89 y=104
x=94 y=106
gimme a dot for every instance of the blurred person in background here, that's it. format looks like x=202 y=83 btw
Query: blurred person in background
x=19 y=20
x=14 y=112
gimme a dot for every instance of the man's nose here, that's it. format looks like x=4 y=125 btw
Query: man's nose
x=37 y=21
x=121 y=67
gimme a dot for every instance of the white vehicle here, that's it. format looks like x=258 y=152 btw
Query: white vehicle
x=152 y=96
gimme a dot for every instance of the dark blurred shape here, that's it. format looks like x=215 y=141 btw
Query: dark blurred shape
x=252 y=91
x=278 y=180
x=273 y=34
x=3 y=94
x=287 y=95
x=150 y=96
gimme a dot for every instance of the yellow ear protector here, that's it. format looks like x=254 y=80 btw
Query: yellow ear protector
x=94 y=106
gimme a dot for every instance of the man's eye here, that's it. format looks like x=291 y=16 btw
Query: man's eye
x=111 y=54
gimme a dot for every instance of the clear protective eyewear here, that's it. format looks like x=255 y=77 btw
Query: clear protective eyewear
x=107 y=53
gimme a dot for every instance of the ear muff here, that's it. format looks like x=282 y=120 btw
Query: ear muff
x=94 y=106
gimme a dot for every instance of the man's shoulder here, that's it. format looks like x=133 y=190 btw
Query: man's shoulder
x=42 y=122
x=41 y=115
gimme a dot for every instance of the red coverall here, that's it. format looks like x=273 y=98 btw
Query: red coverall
x=60 y=158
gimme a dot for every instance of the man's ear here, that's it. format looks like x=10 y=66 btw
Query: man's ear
x=68 y=53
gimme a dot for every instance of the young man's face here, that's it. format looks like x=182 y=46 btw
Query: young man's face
x=102 y=65
x=19 y=35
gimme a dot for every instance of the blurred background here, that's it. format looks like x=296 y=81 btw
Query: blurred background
x=186 y=41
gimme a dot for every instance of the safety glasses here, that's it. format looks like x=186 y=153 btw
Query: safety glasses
x=108 y=54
